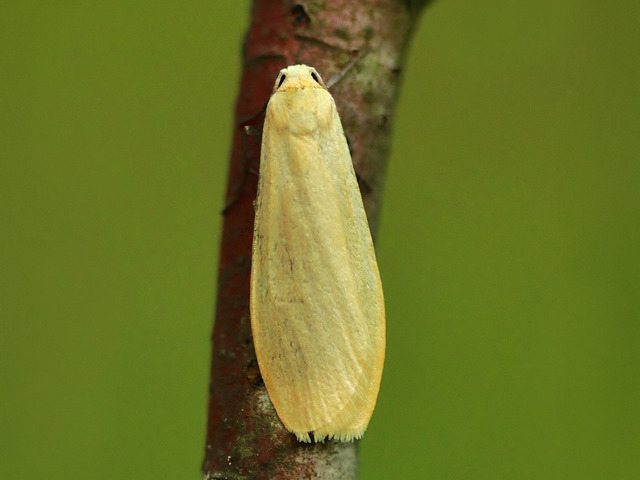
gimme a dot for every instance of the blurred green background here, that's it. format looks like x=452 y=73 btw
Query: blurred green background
x=509 y=242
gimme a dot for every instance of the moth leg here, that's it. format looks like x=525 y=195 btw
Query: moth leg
x=248 y=131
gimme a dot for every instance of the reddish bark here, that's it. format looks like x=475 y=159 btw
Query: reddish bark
x=245 y=438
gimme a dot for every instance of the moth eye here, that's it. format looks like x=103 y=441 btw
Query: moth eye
x=315 y=77
x=281 y=80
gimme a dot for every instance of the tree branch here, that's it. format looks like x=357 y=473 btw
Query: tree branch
x=245 y=438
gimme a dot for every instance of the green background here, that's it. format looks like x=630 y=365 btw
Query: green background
x=508 y=243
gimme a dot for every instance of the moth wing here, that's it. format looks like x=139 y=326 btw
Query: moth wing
x=317 y=306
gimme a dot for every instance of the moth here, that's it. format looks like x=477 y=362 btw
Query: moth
x=317 y=306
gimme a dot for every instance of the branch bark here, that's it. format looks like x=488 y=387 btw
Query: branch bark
x=245 y=439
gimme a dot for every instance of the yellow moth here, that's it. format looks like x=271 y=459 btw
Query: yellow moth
x=317 y=310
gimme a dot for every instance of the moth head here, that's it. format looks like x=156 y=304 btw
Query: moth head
x=298 y=76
